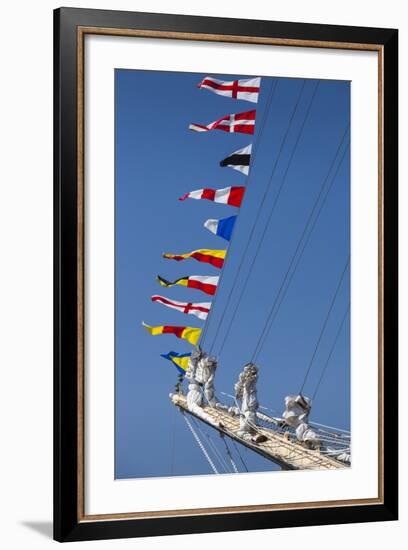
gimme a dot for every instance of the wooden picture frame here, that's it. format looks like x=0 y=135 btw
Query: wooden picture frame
x=70 y=27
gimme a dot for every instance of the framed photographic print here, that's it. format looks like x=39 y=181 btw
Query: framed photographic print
x=225 y=274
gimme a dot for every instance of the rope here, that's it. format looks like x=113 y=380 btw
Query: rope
x=233 y=442
x=254 y=426
x=325 y=323
x=239 y=454
x=247 y=182
x=330 y=427
x=256 y=218
x=199 y=443
x=284 y=289
x=222 y=436
x=234 y=466
x=331 y=351
x=272 y=420
x=265 y=330
x=216 y=452
x=172 y=442
x=265 y=230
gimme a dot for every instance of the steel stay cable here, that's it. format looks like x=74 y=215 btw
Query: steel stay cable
x=234 y=466
x=239 y=454
x=247 y=182
x=228 y=450
x=331 y=352
x=172 y=442
x=205 y=435
x=200 y=444
x=214 y=448
x=325 y=323
x=267 y=189
x=265 y=230
x=283 y=289
x=305 y=229
x=260 y=207
x=267 y=325
x=340 y=431
x=225 y=443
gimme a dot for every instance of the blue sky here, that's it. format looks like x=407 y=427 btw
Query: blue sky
x=157 y=159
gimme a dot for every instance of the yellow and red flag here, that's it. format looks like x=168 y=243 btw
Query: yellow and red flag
x=191 y=334
x=213 y=257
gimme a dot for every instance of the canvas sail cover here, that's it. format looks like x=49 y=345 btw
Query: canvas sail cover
x=296 y=415
x=297 y=410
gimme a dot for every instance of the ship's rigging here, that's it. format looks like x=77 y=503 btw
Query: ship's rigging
x=291 y=440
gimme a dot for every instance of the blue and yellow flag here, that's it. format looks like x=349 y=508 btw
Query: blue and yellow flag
x=180 y=360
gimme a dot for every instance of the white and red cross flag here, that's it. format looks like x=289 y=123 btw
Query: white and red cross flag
x=242 y=123
x=246 y=89
x=199 y=309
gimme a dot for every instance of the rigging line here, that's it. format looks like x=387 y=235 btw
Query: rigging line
x=260 y=406
x=234 y=466
x=220 y=458
x=254 y=426
x=206 y=398
x=338 y=436
x=249 y=240
x=200 y=444
x=228 y=451
x=226 y=466
x=308 y=221
x=233 y=398
x=330 y=427
x=331 y=352
x=264 y=119
x=172 y=442
x=334 y=440
x=283 y=289
x=268 y=322
x=256 y=218
x=331 y=448
x=247 y=182
x=335 y=453
x=325 y=322
x=265 y=230
x=239 y=454
x=216 y=452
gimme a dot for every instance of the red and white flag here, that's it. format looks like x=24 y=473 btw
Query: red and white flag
x=200 y=309
x=205 y=283
x=243 y=123
x=229 y=195
x=247 y=90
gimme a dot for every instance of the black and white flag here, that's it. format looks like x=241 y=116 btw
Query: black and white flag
x=239 y=160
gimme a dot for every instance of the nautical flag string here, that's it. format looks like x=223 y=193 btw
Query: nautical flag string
x=222 y=228
x=241 y=123
x=228 y=195
x=212 y=257
x=180 y=360
x=191 y=334
x=246 y=89
x=239 y=160
x=205 y=283
x=199 y=309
